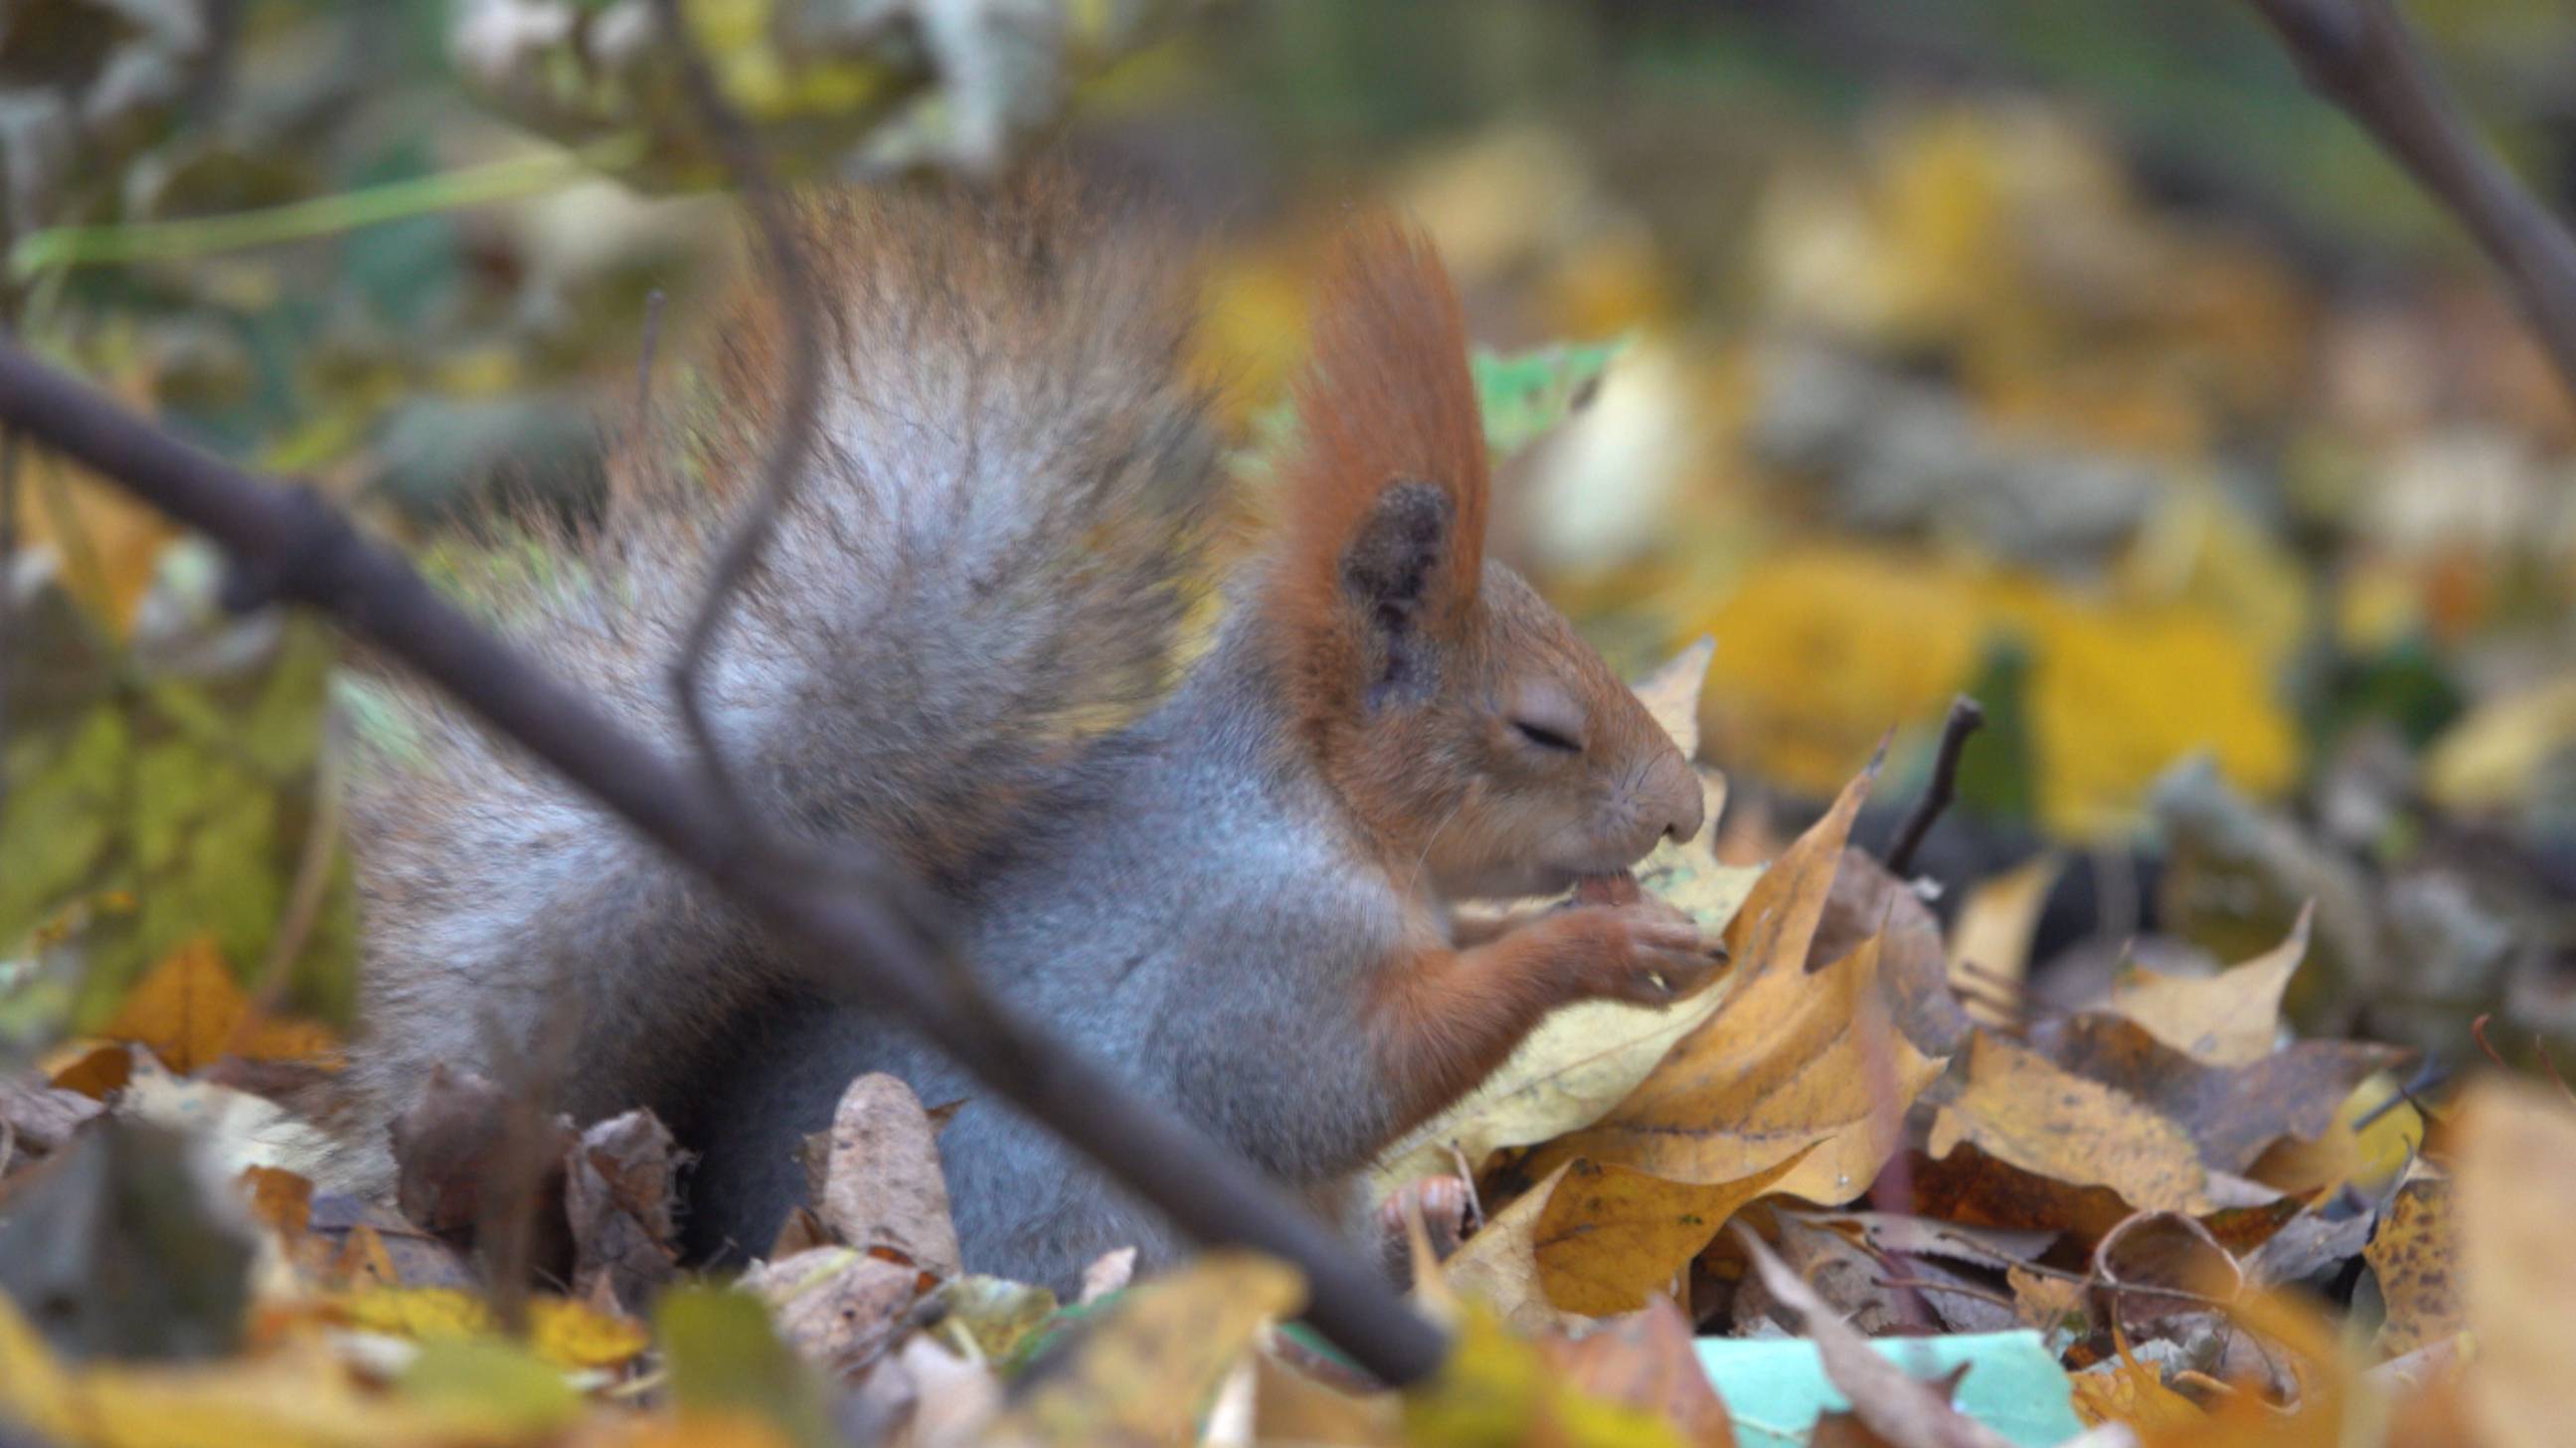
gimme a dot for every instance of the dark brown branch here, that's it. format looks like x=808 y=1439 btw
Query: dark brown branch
x=2360 y=55
x=881 y=940
x=1966 y=717
x=800 y=302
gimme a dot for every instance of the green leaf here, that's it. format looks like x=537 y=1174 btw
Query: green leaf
x=175 y=794
x=1526 y=394
x=722 y=1354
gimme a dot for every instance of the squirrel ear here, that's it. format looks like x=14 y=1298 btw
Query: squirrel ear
x=1387 y=491
x=1391 y=570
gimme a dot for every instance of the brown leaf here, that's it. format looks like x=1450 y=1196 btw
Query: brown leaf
x=1610 y=1235
x=1975 y=1188
x=188 y=1010
x=1791 y=1061
x=839 y=1307
x=452 y=1146
x=37 y=1119
x=2159 y=1265
x=2412 y=1253
x=2024 y=1109
x=1644 y=1359
x=882 y=1188
x=2125 y=1390
x=2228 y=1019
x=99 y=1071
x=2231 y=1112
x=1990 y=940
x=620 y=1197
x=1498 y=1266
x=1914 y=971
x=2050 y=1303
x=1905 y=1411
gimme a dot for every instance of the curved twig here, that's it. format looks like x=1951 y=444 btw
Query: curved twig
x=2360 y=55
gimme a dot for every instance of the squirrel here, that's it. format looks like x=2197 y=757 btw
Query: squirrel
x=1230 y=876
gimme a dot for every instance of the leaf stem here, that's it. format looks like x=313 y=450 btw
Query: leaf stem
x=65 y=247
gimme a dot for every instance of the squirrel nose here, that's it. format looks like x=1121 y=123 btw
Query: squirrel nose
x=1676 y=794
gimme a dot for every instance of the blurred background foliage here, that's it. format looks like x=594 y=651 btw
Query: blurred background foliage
x=2063 y=351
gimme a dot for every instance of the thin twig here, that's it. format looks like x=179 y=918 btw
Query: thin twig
x=9 y=501
x=309 y=891
x=1955 y=1289
x=800 y=303
x=651 y=342
x=2361 y=55
x=883 y=943
x=1966 y=715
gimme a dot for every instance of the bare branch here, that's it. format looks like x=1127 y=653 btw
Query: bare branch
x=2360 y=55
x=1966 y=717
x=800 y=302
x=290 y=544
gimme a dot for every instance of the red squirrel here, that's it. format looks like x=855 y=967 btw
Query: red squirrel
x=1235 y=890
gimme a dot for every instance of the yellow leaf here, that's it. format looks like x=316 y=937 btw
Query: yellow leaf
x=1611 y=1235
x=2227 y=1019
x=189 y=1011
x=1498 y=1267
x=1902 y=637
x=2128 y=1391
x=2411 y=1252
x=560 y=1330
x=1497 y=1390
x=109 y=544
x=1144 y=1371
x=1586 y=1058
x=1990 y=941
x=2026 y=1111
x=2490 y=758
x=1791 y=1061
x=300 y=1398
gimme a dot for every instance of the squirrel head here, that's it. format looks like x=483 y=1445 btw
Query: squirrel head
x=1467 y=728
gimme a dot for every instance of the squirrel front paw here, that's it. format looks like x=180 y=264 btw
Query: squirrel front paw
x=1645 y=952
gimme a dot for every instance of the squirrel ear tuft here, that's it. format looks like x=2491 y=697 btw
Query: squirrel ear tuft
x=1391 y=440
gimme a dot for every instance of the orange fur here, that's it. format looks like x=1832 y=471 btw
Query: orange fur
x=1387 y=398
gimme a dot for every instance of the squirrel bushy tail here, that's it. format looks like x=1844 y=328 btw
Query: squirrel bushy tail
x=984 y=574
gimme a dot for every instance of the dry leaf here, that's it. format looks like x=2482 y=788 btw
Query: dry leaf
x=2227 y=1019
x=1498 y=1266
x=1142 y=1373
x=2231 y=1112
x=2413 y=1253
x=1644 y=1360
x=2125 y=1390
x=1582 y=1060
x=1791 y=1061
x=2514 y=1173
x=839 y=1307
x=190 y=1011
x=1907 y=1412
x=1990 y=939
x=452 y=1145
x=881 y=1187
x=1671 y=694
x=2025 y=1110
x=621 y=1202
x=1610 y=1235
